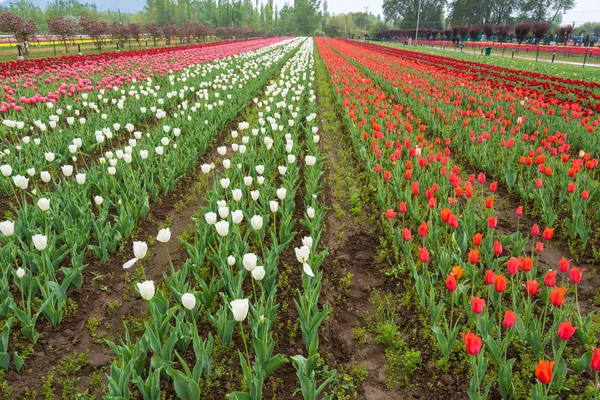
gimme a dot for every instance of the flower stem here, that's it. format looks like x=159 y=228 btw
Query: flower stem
x=245 y=345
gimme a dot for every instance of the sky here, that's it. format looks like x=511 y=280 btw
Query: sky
x=585 y=10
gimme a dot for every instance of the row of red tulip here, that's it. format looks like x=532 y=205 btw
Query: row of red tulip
x=462 y=262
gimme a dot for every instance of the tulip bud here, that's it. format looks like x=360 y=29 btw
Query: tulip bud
x=258 y=273
x=7 y=228
x=239 y=308
x=40 y=242
x=44 y=204
x=310 y=212
x=256 y=222
x=164 y=235
x=237 y=216
x=222 y=228
x=188 y=300
x=45 y=176
x=146 y=289
x=20 y=273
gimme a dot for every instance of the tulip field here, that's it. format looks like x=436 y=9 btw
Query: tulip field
x=288 y=218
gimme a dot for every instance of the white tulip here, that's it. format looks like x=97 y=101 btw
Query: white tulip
x=45 y=176
x=164 y=235
x=40 y=242
x=248 y=180
x=255 y=194
x=111 y=170
x=260 y=180
x=223 y=212
x=260 y=169
x=291 y=158
x=224 y=183
x=316 y=138
x=274 y=206
x=307 y=241
x=159 y=150
x=189 y=301
x=249 y=260
x=206 y=168
x=20 y=273
x=7 y=228
x=210 y=218
x=146 y=289
x=310 y=160
x=165 y=141
x=20 y=181
x=49 y=157
x=282 y=170
x=44 y=204
x=98 y=200
x=140 y=249
x=80 y=178
x=239 y=308
x=222 y=228
x=281 y=193
x=302 y=253
x=307 y=270
x=226 y=163
x=310 y=212
x=67 y=170
x=231 y=261
x=222 y=150
x=258 y=273
x=237 y=216
x=72 y=149
x=6 y=170
x=144 y=154
x=31 y=172
x=256 y=222
x=237 y=194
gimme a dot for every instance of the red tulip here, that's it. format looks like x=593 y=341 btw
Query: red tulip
x=477 y=305
x=557 y=296
x=402 y=207
x=563 y=264
x=539 y=247
x=451 y=282
x=585 y=194
x=543 y=371
x=445 y=213
x=481 y=178
x=472 y=343
x=595 y=363
x=519 y=211
x=477 y=239
x=390 y=213
x=473 y=256
x=566 y=330
x=423 y=255
x=493 y=186
x=490 y=276
x=423 y=229
x=512 y=265
x=532 y=287
x=492 y=222
x=497 y=248
x=548 y=233
x=387 y=175
x=550 y=279
x=500 y=283
x=571 y=187
x=489 y=202
x=527 y=264
x=406 y=234
x=535 y=230
x=510 y=318
x=575 y=274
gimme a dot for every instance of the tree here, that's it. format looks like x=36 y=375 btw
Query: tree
x=153 y=30
x=501 y=31
x=135 y=31
x=474 y=32
x=96 y=30
x=120 y=33
x=463 y=31
x=21 y=30
x=169 y=30
x=521 y=31
x=63 y=28
x=488 y=29
x=469 y=12
x=588 y=28
x=563 y=33
x=544 y=10
x=404 y=13
x=539 y=30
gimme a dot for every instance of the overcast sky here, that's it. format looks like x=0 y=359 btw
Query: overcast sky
x=585 y=10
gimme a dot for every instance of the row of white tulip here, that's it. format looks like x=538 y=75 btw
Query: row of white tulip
x=98 y=208
x=248 y=223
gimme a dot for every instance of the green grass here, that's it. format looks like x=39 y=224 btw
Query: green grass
x=561 y=70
